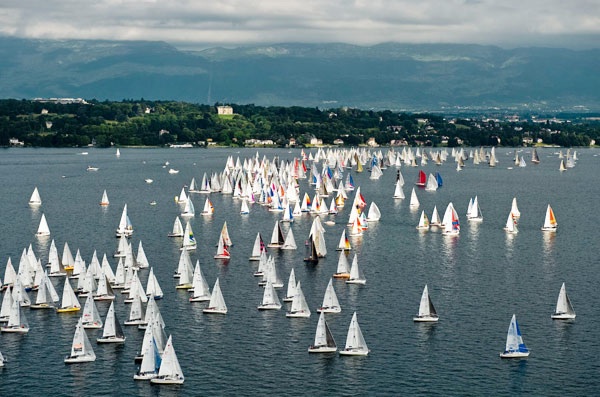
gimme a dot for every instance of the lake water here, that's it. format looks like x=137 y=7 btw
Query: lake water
x=477 y=280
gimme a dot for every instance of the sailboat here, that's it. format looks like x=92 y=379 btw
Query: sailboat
x=222 y=249
x=427 y=311
x=291 y=287
x=270 y=300
x=423 y=222
x=46 y=296
x=432 y=184
x=311 y=252
x=515 y=348
x=153 y=289
x=17 y=323
x=356 y=275
x=81 y=348
x=90 y=318
x=177 y=228
x=414 y=201
x=112 y=332
x=511 y=224
x=564 y=308
x=136 y=313
x=257 y=248
x=244 y=209
x=277 y=237
x=35 y=198
x=514 y=209
x=104 y=201
x=217 y=303
x=299 y=306
x=421 y=179
x=398 y=192
x=324 y=342
x=189 y=242
x=43 y=229
x=562 y=166
x=451 y=222
x=208 y=208
x=170 y=371
x=290 y=241
x=150 y=361
x=374 y=214
x=69 y=302
x=125 y=227
x=535 y=159
x=473 y=211
x=550 y=224
x=189 y=211
x=343 y=268
x=330 y=303
x=355 y=341
x=344 y=244
x=200 y=290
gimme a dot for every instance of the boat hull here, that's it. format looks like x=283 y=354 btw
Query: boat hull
x=354 y=352
x=362 y=282
x=41 y=306
x=322 y=349
x=562 y=316
x=301 y=314
x=425 y=319
x=68 y=310
x=79 y=359
x=146 y=376
x=212 y=310
x=135 y=322
x=514 y=355
x=334 y=309
x=269 y=306
x=111 y=339
x=15 y=330
x=167 y=381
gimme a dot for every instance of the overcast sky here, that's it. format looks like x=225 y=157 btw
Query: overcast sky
x=203 y=23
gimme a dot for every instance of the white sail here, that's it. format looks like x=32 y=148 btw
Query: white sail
x=398 y=192
x=150 y=361
x=217 y=303
x=189 y=210
x=431 y=184
x=414 y=201
x=474 y=211
x=290 y=241
x=17 y=322
x=189 y=241
x=324 y=342
x=104 y=200
x=125 y=227
x=291 y=287
x=511 y=224
x=170 y=371
x=7 y=302
x=427 y=312
x=112 y=332
x=69 y=300
x=374 y=214
x=35 y=198
x=299 y=306
x=270 y=300
x=153 y=289
x=355 y=341
x=356 y=276
x=90 y=317
x=330 y=303
x=257 y=248
x=141 y=259
x=550 y=224
x=81 y=348
x=515 y=209
x=200 y=289
x=515 y=347
x=450 y=221
x=136 y=313
x=564 y=308
x=43 y=229
x=177 y=228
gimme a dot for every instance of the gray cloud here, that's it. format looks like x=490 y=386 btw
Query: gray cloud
x=511 y=23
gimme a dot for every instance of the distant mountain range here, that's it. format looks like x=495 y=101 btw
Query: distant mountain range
x=435 y=77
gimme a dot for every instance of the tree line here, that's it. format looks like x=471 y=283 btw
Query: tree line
x=155 y=123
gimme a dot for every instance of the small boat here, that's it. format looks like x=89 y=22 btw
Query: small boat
x=258 y=247
x=90 y=318
x=43 y=229
x=374 y=214
x=356 y=275
x=46 y=295
x=177 y=228
x=150 y=360
x=414 y=200
x=515 y=348
x=299 y=306
x=208 y=208
x=564 y=308
x=118 y=153
x=355 y=341
x=423 y=222
x=148 y=180
x=189 y=241
x=91 y=168
x=291 y=287
x=69 y=302
x=35 y=198
x=421 y=179
x=217 y=303
x=170 y=371
x=474 y=211
x=200 y=290
x=270 y=300
x=344 y=243
x=535 y=158
x=222 y=249
x=511 y=224
x=173 y=171
x=514 y=209
x=17 y=322
x=290 y=241
x=125 y=226
x=330 y=303
x=343 y=267
x=450 y=221
x=81 y=348
x=324 y=342
x=427 y=311
x=550 y=224
x=398 y=192
x=104 y=200
x=153 y=289
x=277 y=237
x=112 y=332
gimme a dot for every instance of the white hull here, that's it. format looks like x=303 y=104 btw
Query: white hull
x=514 y=355
x=269 y=306
x=212 y=310
x=222 y=257
x=111 y=339
x=334 y=309
x=548 y=229
x=135 y=322
x=302 y=314
x=362 y=282
x=42 y=306
x=15 y=330
x=426 y=319
x=562 y=316
x=146 y=376
x=79 y=359
x=167 y=381
x=322 y=349
x=354 y=352
x=104 y=297
x=92 y=325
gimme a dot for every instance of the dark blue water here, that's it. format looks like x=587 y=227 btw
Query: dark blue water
x=477 y=281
